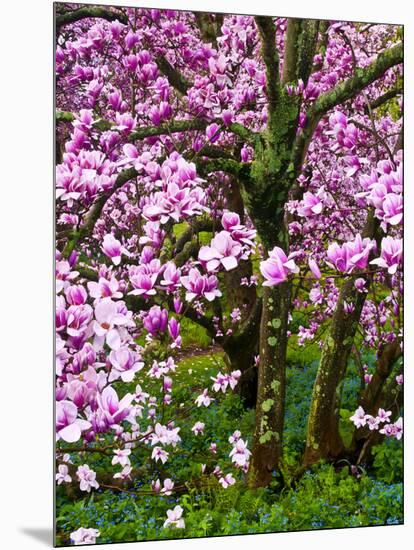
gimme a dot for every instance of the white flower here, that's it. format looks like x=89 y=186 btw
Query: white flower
x=84 y=536
x=63 y=474
x=174 y=518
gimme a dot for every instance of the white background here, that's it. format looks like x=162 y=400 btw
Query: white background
x=26 y=267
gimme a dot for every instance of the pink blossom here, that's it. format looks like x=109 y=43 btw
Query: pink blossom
x=87 y=478
x=372 y=422
x=367 y=378
x=223 y=250
x=126 y=364
x=213 y=132
x=171 y=276
x=359 y=284
x=213 y=448
x=165 y=435
x=351 y=255
x=143 y=284
x=198 y=428
x=168 y=487
x=174 y=332
x=359 y=418
x=383 y=415
x=198 y=286
x=222 y=381
x=121 y=457
x=392 y=208
x=113 y=248
x=78 y=319
x=240 y=453
x=391 y=254
x=76 y=295
x=108 y=322
x=311 y=204
x=105 y=288
x=156 y=320
x=63 y=474
x=313 y=266
x=68 y=426
x=113 y=409
x=63 y=274
x=125 y=123
x=277 y=267
x=230 y=220
x=393 y=430
x=227 y=480
x=158 y=453
x=203 y=399
x=125 y=473
x=235 y=436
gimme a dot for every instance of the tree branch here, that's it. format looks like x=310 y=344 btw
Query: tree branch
x=172 y=127
x=230 y=166
x=209 y=29
x=363 y=77
x=384 y=98
x=175 y=78
x=291 y=51
x=322 y=44
x=198 y=225
x=86 y=13
x=96 y=209
x=307 y=47
x=344 y=91
x=300 y=48
x=267 y=32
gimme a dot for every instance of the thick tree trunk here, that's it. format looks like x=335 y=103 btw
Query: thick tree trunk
x=323 y=439
x=268 y=436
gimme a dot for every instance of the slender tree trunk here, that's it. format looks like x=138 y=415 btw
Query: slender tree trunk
x=370 y=398
x=391 y=398
x=380 y=392
x=323 y=439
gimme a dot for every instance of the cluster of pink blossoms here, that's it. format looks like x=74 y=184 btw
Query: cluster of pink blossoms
x=351 y=255
x=228 y=247
x=380 y=422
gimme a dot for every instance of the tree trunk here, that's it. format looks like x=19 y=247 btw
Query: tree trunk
x=268 y=435
x=371 y=397
x=391 y=398
x=380 y=392
x=241 y=357
x=323 y=439
x=241 y=350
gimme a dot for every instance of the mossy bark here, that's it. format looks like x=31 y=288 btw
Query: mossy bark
x=270 y=408
x=323 y=439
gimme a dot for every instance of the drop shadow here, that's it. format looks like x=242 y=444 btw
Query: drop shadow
x=41 y=534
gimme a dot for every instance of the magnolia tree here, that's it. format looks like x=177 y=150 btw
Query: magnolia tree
x=243 y=173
